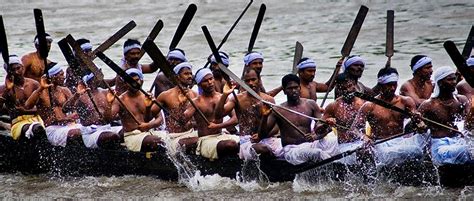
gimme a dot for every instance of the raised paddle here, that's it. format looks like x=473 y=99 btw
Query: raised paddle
x=389 y=39
x=152 y=35
x=466 y=51
x=183 y=25
x=397 y=109
x=98 y=75
x=459 y=61
x=256 y=28
x=3 y=42
x=158 y=57
x=114 y=38
x=297 y=56
x=348 y=44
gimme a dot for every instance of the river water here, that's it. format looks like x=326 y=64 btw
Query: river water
x=421 y=27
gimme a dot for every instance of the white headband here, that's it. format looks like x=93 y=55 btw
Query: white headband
x=470 y=62
x=392 y=77
x=224 y=58
x=308 y=63
x=353 y=60
x=252 y=56
x=86 y=46
x=201 y=74
x=54 y=70
x=176 y=54
x=182 y=65
x=135 y=71
x=13 y=59
x=420 y=63
x=88 y=77
x=48 y=38
x=438 y=75
x=129 y=47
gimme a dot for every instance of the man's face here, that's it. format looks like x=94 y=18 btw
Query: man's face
x=307 y=74
x=257 y=65
x=292 y=91
x=173 y=62
x=138 y=80
x=425 y=72
x=58 y=79
x=347 y=88
x=16 y=70
x=388 y=90
x=448 y=83
x=185 y=76
x=216 y=71
x=133 y=56
x=356 y=69
x=48 y=43
x=207 y=83
x=88 y=52
x=251 y=79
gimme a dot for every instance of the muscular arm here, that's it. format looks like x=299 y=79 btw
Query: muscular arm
x=149 y=68
x=275 y=91
x=408 y=90
x=224 y=106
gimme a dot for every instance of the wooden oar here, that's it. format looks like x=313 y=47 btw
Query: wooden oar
x=397 y=109
x=459 y=61
x=114 y=38
x=3 y=42
x=43 y=48
x=256 y=28
x=152 y=35
x=466 y=51
x=311 y=165
x=231 y=29
x=348 y=44
x=71 y=60
x=158 y=58
x=297 y=56
x=389 y=40
x=98 y=75
x=183 y=25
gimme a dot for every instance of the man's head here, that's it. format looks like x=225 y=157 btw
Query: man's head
x=254 y=60
x=137 y=75
x=422 y=67
x=131 y=51
x=49 y=40
x=216 y=71
x=387 y=79
x=205 y=81
x=445 y=81
x=184 y=73
x=252 y=79
x=176 y=56
x=306 y=69
x=14 y=66
x=291 y=87
x=86 y=46
x=346 y=86
x=354 y=66
x=56 y=73
x=470 y=64
x=90 y=81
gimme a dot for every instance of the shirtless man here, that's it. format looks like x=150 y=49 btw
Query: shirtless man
x=15 y=92
x=213 y=143
x=162 y=83
x=219 y=80
x=181 y=133
x=138 y=137
x=309 y=88
x=463 y=87
x=298 y=148
x=447 y=146
x=131 y=58
x=33 y=63
x=254 y=60
x=96 y=130
x=385 y=123
x=353 y=68
x=60 y=122
x=419 y=88
x=248 y=109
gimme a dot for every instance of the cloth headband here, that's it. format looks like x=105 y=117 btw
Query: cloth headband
x=129 y=47
x=48 y=38
x=135 y=71
x=88 y=77
x=470 y=62
x=176 y=54
x=252 y=56
x=13 y=59
x=56 y=69
x=224 y=58
x=86 y=46
x=201 y=74
x=308 y=63
x=420 y=63
x=182 y=65
x=353 y=60
x=438 y=75
x=392 y=77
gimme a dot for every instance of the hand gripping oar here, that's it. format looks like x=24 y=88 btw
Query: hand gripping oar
x=71 y=60
x=114 y=38
x=459 y=61
x=348 y=44
x=152 y=35
x=43 y=47
x=466 y=51
x=98 y=75
x=311 y=165
x=389 y=39
x=397 y=109
x=297 y=56
x=247 y=88
x=158 y=57
x=256 y=28
x=231 y=29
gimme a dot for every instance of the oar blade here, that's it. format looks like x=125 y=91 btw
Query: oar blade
x=459 y=61
x=159 y=59
x=297 y=57
x=68 y=54
x=153 y=34
x=467 y=50
x=114 y=38
x=354 y=32
x=256 y=28
x=40 y=30
x=183 y=25
x=3 y=42
x=390 y=29
x=127 y=78
x=99 y=76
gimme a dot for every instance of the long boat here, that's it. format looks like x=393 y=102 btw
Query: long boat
x=77 y=160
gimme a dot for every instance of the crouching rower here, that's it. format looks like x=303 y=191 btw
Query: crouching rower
x=298 y=148
x=212 y=142
x=60 y=125
x=15 y=92
x=447 y=146
x=384 y=123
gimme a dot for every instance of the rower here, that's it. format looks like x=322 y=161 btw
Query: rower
x=219 y=81
x=384 y=123
x=212 y=142
x=60 y=122
x=138 y=137
x=419 y=87
x=463 y=87
x=175 y=102
x=248 y=109
x=297 y=147
x=96 y=130
x=131 y=58
x=254 y=60
x=33 y=63
x=14 y=94
x=74 y=73
x=445 y=107
x=306 y=72
x=162 y=83
x=353 y=68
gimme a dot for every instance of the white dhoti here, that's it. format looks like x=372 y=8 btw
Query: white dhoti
x=450 y=150
x=351 y=159
x=57 y=135
x=91 y=134
x=311 y=151
x=399 y=150
x=246 y=151
x=133 y=140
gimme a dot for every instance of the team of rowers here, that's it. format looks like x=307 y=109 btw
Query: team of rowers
x=73 y=105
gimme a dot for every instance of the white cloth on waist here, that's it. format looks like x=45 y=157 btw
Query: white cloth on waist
x=91 y=133
x=450 y=150
x=350 y=159
x=246 y=151
x=399 y=150
x=311 y=151
x=57 y=134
